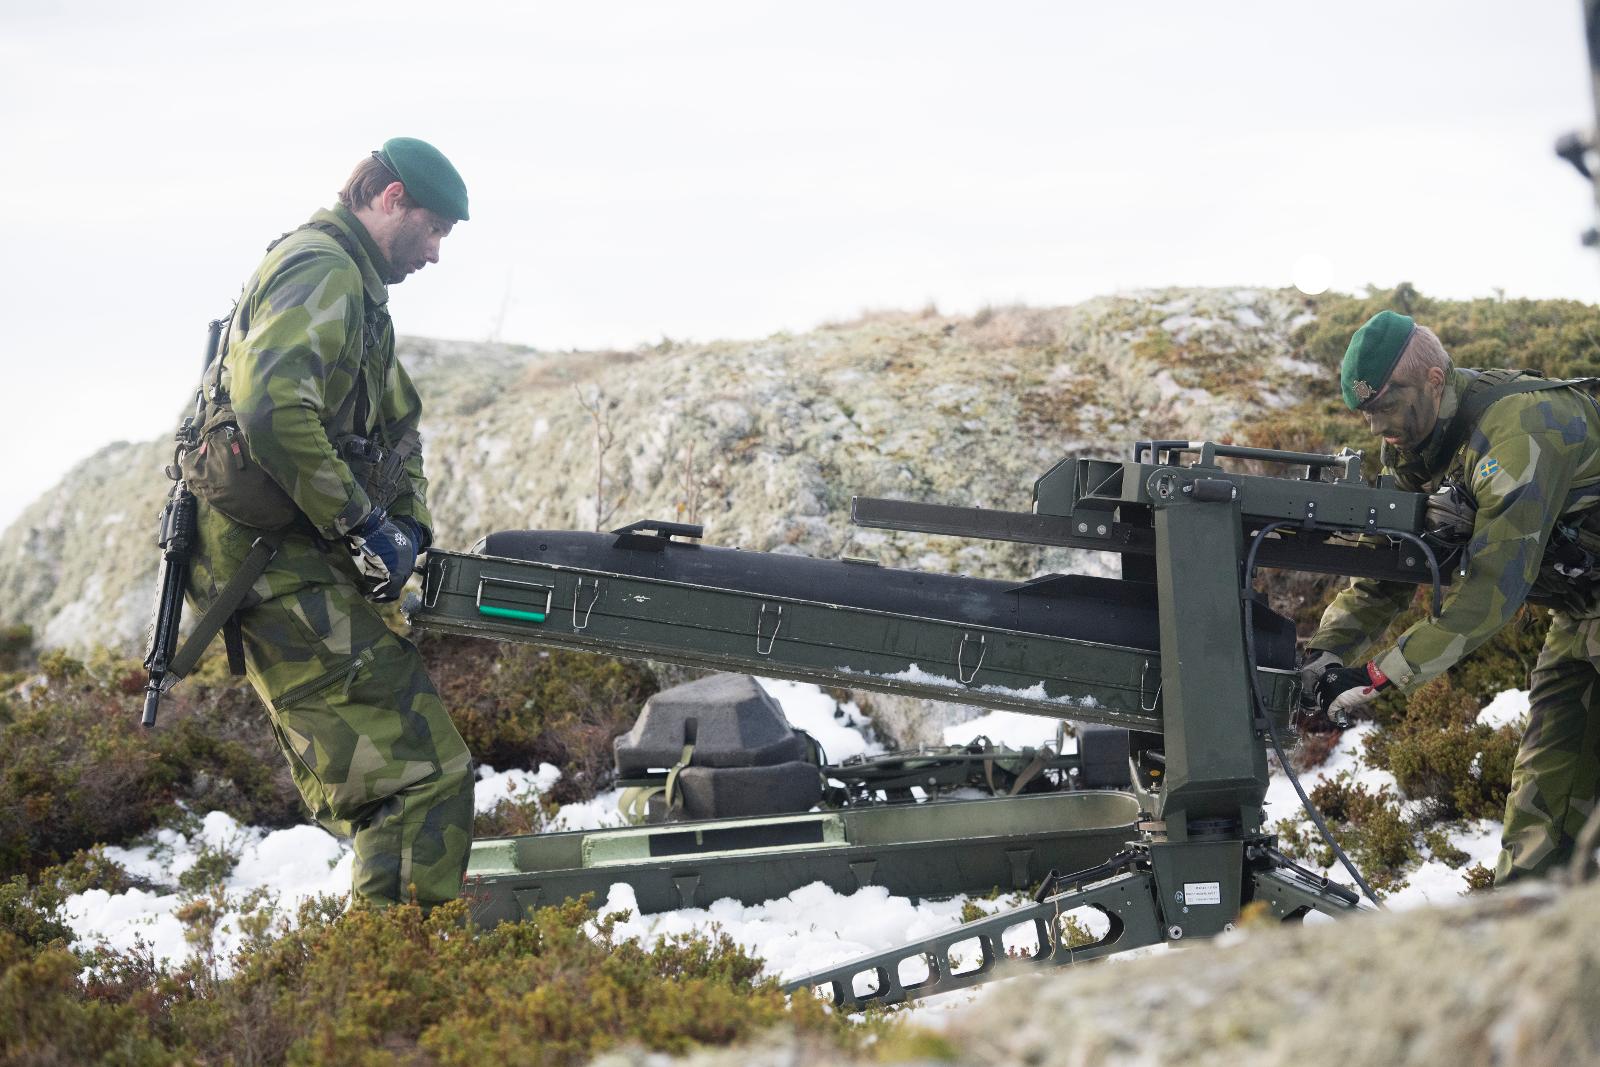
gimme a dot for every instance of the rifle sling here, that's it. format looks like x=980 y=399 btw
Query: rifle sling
x=1488 y=387
x=221 y=613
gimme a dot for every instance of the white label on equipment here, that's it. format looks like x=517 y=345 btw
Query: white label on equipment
x=1202 y=892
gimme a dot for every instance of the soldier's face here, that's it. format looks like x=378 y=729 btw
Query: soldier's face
x=1405 y=413
x=414 y=241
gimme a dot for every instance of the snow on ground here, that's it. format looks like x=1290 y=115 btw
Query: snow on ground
x=1433 y=881
x=1016 y=729
x=305 y=861
x=811 y=928
x=1510 y=707
x=294 y=864
x=841 y=729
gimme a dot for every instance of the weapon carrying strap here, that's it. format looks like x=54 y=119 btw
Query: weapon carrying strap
x=1488 y=387
x=221 y=615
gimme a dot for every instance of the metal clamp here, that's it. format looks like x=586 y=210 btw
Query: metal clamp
x=579 y=627
x=433 y=580
x=1155 y=701
x=776 y=626
x=962 y=674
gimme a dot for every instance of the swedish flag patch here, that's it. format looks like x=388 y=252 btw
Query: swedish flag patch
x=1489 y=466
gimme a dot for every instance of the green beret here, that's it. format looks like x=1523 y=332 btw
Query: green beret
x=429 y=178
x=1372 y=355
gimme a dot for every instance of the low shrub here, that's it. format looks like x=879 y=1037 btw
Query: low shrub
x=398 y=987
x=520 y=706
x=1368 y=825
x=80 y=771
x=1439 y=753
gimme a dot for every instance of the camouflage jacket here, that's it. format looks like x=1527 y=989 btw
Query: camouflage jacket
x=295 y=350
x=1533 y=459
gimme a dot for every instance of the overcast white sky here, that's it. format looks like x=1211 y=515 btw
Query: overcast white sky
x=706 y=170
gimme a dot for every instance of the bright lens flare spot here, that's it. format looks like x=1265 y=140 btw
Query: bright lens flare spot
x=1313 y=273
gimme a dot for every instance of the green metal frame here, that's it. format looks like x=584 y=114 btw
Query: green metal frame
x=1199 y=853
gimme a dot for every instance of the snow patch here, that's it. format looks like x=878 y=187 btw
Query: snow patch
x=1509 y=708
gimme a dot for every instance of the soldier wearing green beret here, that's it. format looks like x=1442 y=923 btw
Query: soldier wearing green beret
x=1514 y=463
x=307 y=399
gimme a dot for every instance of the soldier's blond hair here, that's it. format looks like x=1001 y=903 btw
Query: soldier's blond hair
x=367 y=182
x=1423 y=352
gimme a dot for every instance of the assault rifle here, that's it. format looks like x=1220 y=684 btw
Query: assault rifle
x=176 y=537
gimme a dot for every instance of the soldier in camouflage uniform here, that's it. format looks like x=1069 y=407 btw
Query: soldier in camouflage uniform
x=309 y=367
x=1527 y=453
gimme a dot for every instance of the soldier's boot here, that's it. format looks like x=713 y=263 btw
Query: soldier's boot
x=1556 y=776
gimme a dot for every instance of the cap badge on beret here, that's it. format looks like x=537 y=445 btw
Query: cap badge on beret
x=1373 y=354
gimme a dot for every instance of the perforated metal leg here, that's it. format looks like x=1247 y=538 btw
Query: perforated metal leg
x=976 y=952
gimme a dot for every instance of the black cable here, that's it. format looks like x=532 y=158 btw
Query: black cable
x=1261 y=706
x=1433 y=564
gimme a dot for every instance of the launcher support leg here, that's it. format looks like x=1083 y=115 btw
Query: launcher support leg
x=967 y=955
x=1134 y=904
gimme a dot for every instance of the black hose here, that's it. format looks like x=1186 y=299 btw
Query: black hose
x=1261 y=705
x=1427 y=552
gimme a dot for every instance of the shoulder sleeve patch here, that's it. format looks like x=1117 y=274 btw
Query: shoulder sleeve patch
x=1489 y=467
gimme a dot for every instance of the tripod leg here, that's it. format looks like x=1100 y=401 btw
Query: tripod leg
x=1127 y=901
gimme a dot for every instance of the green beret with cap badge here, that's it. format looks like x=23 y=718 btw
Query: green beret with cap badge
x=1372 y=355
x=429 y=178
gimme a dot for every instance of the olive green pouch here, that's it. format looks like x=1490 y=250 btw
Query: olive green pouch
x=220 y=470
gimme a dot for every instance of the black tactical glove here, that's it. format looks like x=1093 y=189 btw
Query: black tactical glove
x=1344 y=690
x=1313 y=664
x=385 y=555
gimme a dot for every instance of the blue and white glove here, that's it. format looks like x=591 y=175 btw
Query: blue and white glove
x=385 y=552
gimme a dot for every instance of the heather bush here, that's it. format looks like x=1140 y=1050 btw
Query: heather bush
x=519 y=705
x=1439 y=753
x=80 y=771
x=1369 y=826
x=398 y=987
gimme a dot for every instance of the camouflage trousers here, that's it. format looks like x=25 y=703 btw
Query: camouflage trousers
x=1556 y=777
x=369 y=743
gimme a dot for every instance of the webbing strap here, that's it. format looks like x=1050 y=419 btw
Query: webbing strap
x=672 y=775
x=1488 y=387
x=634 y=803
x=1031 y=771
x=222 y=608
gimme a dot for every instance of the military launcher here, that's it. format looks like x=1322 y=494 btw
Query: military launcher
x=1180 y=651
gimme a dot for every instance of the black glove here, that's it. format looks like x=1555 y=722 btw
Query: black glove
x=385 y=554
x=1313 y=665
x=1344 y=690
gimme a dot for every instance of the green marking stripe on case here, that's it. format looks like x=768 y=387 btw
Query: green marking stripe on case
x=527 y=601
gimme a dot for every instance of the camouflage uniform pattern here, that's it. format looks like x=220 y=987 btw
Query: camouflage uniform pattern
x=293 y=353
x=1533 y=459
x=369 y=743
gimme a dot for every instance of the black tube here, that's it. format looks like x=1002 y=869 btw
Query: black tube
x=1272 y=732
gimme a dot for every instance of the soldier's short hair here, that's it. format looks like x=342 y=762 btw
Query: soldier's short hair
x=367 y=182
x=1422 y=352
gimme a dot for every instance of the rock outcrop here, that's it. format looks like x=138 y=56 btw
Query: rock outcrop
x=762 y=441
